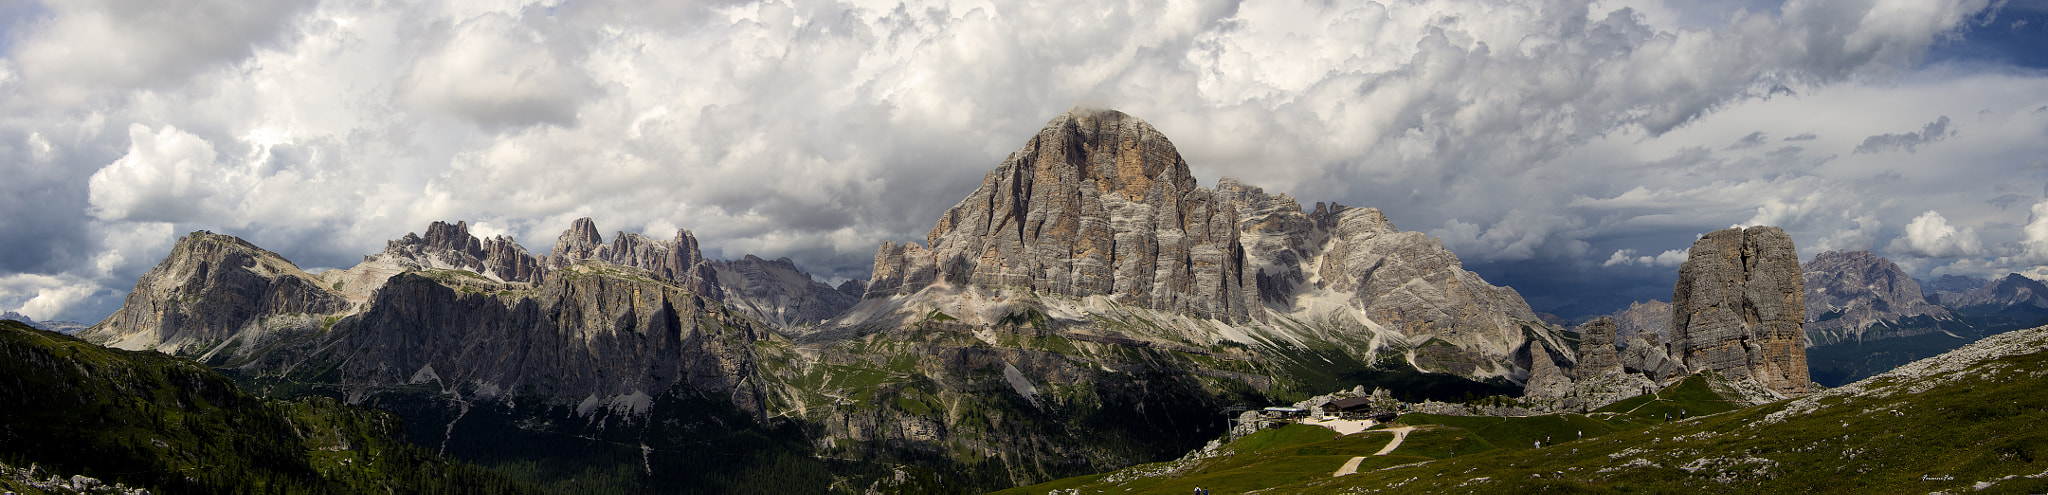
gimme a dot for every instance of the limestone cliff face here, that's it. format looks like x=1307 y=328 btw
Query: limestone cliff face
x=1849 y=292
x=1098 y=203
x=1410 y=282
x=212 y=288
x=1738 y=307
x=586 y=332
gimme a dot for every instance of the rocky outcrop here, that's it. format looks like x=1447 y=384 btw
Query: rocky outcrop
x=1650 y=360
x=1546 y=380
x=1597 y=352
x=1599 y=379
x=777 y=293
x=679 y=261
x=1738 y=307
x=772 y=292
x=1651 y=319
x=1410 y=282
x=1847 y=293
x=212 y=288
x=1097 y=204
x=446 y=247
x=580 y=242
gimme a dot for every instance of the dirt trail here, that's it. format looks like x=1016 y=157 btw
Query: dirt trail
x=1400 y=434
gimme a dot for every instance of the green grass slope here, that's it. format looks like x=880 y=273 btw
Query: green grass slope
x=1966 y=421
x=147 y=420
x=1292 y=454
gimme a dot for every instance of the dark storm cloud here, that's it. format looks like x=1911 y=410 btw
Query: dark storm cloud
x=1752 y=140
x=1910 y=142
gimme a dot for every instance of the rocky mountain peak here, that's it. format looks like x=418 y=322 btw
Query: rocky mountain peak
x=778 y=293
x=580 y=242
x=213 y=287
x=2009 y=291
x=1950 y=283
x=1738 y=309
x=456 y=238
x=446 y=246
x=1848 y=292
x=854 y=288
x=2018 y=289
x=1098 y=203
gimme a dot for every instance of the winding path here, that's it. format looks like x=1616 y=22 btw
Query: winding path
x=1400 y=434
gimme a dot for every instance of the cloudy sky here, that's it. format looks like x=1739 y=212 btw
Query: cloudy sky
x=1569 y=148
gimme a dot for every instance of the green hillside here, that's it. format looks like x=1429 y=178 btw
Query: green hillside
x=1967 y=420
x=147 y=420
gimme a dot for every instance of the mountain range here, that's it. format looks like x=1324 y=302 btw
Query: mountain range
x=60 y=326
x=1089 y=306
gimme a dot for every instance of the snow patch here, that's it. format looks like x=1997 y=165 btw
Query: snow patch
x=425 y=373
x=636 y=403
x=1019 y=383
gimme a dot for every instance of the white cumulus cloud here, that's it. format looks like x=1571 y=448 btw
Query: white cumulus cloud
x=43 y=297
x=499 y=71
x=1668 y=258
x=90 y=46
x=1930 y=236
x=168 y=175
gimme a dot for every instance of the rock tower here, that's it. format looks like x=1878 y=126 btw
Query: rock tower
x=1738 y=308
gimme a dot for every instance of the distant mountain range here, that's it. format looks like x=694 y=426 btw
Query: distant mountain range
x=60 y=326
